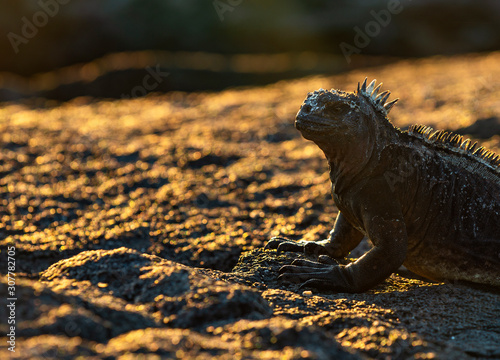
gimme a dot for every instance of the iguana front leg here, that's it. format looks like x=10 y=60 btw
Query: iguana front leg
x=383 y=221
x=343 y=238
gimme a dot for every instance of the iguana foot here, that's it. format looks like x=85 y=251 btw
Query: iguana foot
x=324 y=247
x=319 y=275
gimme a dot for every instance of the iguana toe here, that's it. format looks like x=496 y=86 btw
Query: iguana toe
x=275 y=242
x=325 y=259
x=318 y=248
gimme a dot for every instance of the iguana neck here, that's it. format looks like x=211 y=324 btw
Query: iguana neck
x=347 y=162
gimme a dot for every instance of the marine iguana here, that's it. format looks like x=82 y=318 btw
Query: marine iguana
x=427 y=199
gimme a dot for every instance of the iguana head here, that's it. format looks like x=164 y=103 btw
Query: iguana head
x=349 y=127
x=339 y=116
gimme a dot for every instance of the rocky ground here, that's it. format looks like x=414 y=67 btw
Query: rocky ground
x=138 y=226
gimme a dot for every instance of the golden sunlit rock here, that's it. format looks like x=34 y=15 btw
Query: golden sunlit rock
x=139 y=224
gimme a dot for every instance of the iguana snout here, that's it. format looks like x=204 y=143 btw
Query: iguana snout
x=324 y=112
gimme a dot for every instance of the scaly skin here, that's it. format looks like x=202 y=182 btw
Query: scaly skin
x=423 y=200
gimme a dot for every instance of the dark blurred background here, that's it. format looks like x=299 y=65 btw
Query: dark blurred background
x=61 y=49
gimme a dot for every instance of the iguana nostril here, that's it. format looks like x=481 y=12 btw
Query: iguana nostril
x=306 y=108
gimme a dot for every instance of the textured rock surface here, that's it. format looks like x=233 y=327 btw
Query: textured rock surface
x=139 y=225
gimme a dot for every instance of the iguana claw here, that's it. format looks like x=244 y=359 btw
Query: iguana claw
x=313 y=274
x=282 y=244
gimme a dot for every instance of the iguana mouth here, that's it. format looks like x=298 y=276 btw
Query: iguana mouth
x=311 y=123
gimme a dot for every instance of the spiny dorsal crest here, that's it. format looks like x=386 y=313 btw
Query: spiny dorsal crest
x=457 y=144
x=370 y=93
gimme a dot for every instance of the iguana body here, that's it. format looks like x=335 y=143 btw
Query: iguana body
x=428 y=200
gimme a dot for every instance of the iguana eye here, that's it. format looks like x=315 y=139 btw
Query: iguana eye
x=336 y=108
